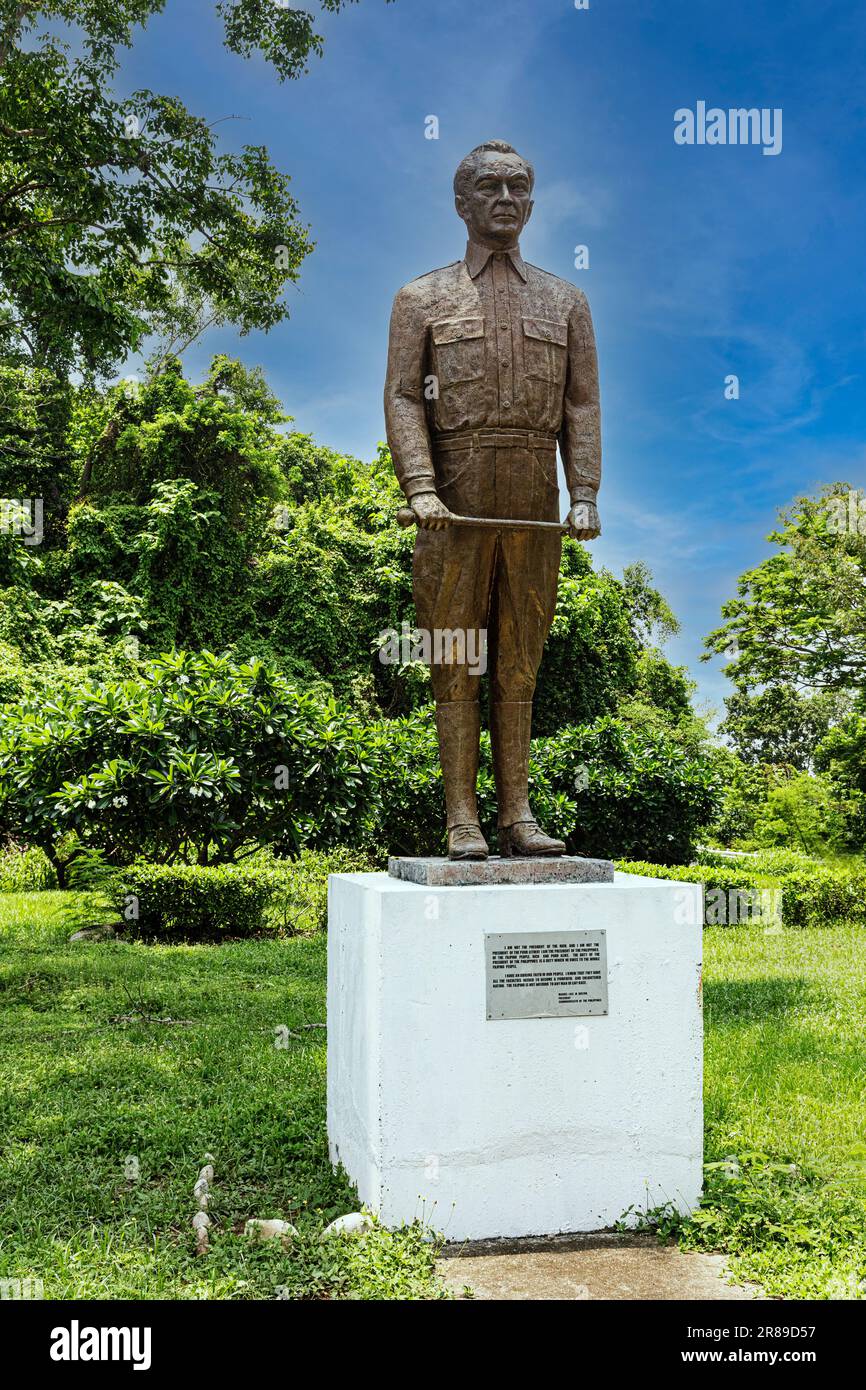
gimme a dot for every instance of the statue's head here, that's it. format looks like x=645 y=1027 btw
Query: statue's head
x=493 y=194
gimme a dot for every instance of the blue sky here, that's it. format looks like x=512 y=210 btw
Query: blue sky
x=705 y=260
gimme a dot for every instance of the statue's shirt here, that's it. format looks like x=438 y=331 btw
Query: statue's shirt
x=492 y=343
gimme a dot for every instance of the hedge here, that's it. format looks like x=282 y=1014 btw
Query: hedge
x=811 y=896
x=189 y=902
x=765 y=861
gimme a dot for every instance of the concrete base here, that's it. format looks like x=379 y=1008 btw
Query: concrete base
x=598 y=1266
x=519 y=1127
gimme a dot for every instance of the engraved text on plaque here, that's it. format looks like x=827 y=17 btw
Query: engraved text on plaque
x=546 y=974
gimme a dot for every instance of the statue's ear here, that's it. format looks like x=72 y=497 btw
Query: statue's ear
x=530 y=206
x=460 y=205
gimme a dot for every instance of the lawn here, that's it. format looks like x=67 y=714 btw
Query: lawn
x=114 y=1052
x=122 y=1066
x=785 y=1106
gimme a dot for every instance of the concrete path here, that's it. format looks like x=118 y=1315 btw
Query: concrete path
x=605 y=1265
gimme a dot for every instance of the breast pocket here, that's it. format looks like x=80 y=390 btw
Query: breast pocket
x=545 y=349
x=459 y=349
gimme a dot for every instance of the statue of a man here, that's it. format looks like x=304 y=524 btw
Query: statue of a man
x=491 y=361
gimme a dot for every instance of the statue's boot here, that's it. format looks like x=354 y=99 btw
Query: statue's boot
x=520 y=835
x=466 y=842
x=526 y=840
x=458 y=724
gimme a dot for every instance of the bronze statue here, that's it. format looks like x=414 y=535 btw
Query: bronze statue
x=490 y=362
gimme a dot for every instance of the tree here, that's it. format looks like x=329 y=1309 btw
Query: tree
x=841 y=756
x=799 y=618
x=650 y=615
x=781 y=725
x=199 y=522
x=796 y=638
x=590 y=659
x=119 y=217
x=800 y=812
x=35 y=456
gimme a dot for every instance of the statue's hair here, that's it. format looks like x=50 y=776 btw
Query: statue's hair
x=466 y=167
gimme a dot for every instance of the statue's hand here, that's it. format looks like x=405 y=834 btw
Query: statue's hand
x=430 y=512
x=583 y=521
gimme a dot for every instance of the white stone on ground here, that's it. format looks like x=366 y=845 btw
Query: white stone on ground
x=354 y=1223
x=200 y=1222
x=258 y=1230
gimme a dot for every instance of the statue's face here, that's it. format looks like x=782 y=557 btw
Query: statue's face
x=499 y=203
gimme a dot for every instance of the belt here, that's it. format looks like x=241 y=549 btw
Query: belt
x=495 y=439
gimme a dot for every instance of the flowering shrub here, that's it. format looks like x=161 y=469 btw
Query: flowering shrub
x=190 y=761
x=199 y=759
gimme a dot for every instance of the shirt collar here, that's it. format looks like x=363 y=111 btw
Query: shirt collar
x=477 y=257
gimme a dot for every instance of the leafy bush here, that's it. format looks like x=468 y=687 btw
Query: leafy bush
x=299 y=900
x=801 y=810
x=634 y=793
x=812 y=896
x=200 y=758
x=608 y=790
x=765 y=806
x=193 y=759
x=188 y=902
x=744 y=788
x=25 y=870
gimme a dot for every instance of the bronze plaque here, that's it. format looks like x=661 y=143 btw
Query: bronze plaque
x=546 y=974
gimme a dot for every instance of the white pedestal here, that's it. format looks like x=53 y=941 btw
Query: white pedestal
x=524 y=1126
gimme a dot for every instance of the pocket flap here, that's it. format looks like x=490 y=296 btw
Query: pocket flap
x=455 y=330
x=547 y=330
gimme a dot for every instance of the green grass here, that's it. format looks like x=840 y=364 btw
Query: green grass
x=93 y=1073
x=785 y=1105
